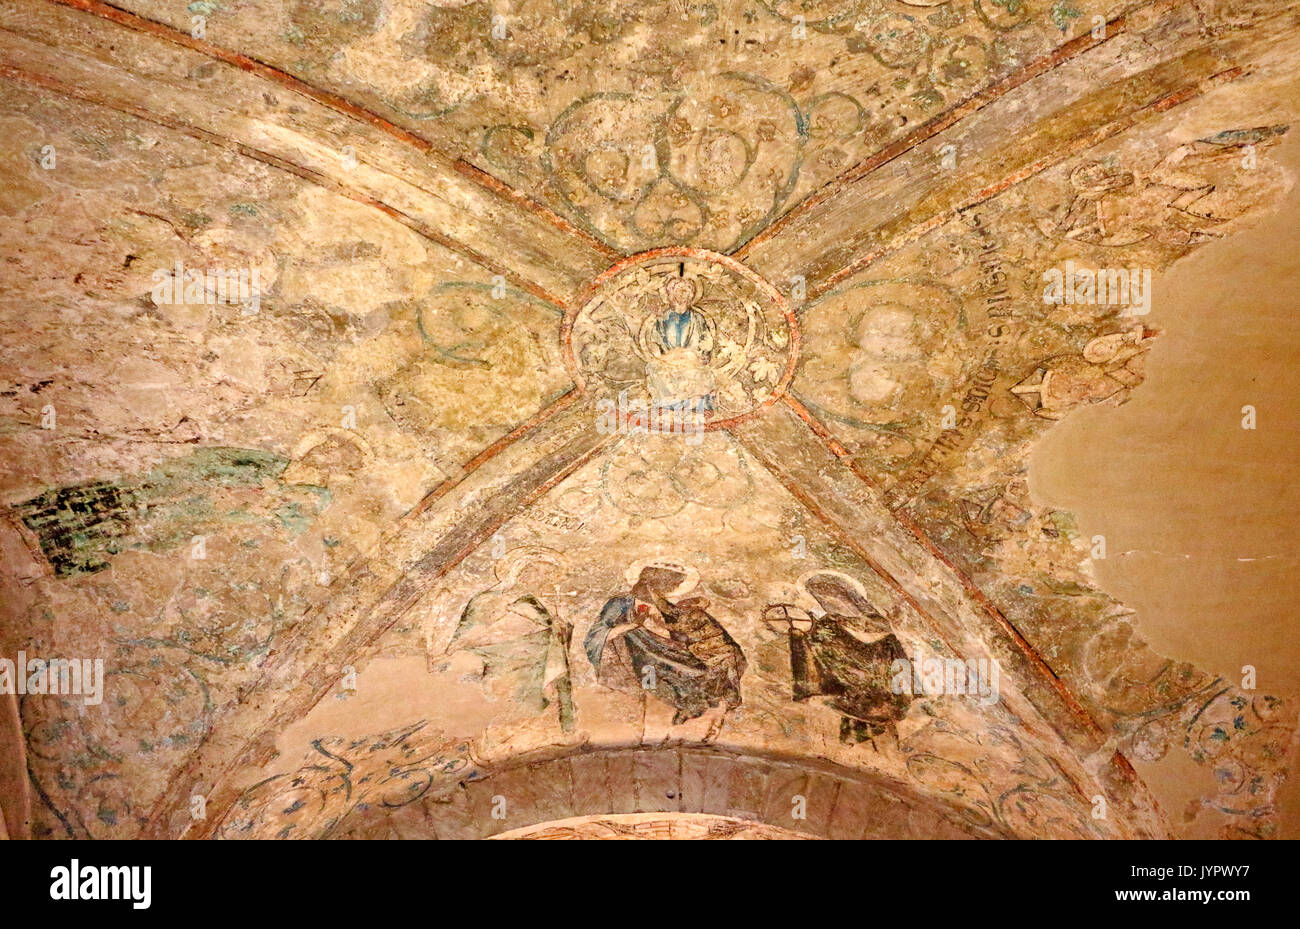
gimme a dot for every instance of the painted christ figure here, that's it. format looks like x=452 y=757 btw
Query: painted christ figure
x=680 y=351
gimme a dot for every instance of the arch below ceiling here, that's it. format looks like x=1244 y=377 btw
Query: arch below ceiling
x=673 y=783
x=646 y=826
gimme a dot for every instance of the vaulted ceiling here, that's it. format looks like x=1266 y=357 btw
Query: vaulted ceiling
x=374 y=547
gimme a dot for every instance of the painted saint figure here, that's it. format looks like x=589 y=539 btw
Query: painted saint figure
x=521 y=646
x=646 y=643
x=844 y=657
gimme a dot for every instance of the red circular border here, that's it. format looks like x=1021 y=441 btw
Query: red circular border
x=700 y=254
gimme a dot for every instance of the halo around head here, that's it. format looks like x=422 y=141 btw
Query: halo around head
x=691 y=575
x=680 y=284
x=849 y=580
x=510 y=565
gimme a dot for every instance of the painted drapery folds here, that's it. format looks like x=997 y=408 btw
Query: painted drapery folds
x=517 y=640
x=846 y=654
x=676 y=651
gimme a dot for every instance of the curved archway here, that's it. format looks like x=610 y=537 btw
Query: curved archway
x=699 y=785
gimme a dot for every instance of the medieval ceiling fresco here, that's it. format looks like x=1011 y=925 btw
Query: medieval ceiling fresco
x=539 y=419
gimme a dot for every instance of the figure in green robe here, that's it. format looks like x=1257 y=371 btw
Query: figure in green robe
x=845 y=657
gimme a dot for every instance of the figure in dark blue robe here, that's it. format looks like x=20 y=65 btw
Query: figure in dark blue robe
x=698 y=666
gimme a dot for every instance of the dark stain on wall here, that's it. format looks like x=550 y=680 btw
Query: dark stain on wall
x=82 y=526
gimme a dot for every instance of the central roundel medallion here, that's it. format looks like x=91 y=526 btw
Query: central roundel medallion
x=683 y=331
